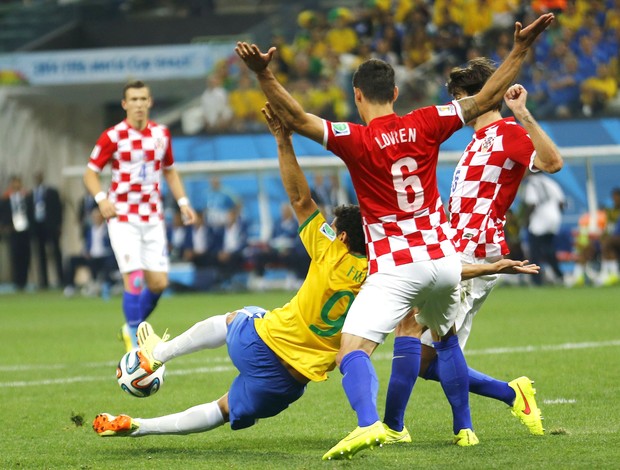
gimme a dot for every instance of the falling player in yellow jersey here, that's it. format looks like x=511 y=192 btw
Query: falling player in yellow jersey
x=277 y=352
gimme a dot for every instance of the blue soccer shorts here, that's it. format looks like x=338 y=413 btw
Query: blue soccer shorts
x=263 y=387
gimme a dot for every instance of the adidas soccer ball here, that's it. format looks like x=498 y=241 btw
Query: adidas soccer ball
x=134 y=379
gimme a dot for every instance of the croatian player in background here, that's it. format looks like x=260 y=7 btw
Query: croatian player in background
x=484 y=185
x=412 y=261
x=139 y=151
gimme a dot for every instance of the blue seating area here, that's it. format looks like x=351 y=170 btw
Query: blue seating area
x=262 y=146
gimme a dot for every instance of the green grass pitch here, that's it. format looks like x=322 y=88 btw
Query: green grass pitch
x=57 y=371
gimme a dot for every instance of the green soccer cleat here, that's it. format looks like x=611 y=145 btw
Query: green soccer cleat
x=524 y=406
x=147 y=340
x=396 y=437
x=367 y=437
x=466 y=438
x=107 y=425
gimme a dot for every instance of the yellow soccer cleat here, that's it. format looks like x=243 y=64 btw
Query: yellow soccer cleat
x=525 y=407
x=466 y=438
x=107 y=425
x=367 y=437
x=396 y=437
x=611 y=280
x=147 y=340
x=124 y=336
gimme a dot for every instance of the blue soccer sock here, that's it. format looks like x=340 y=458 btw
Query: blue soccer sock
x=453 y=376
x=479 y=383
x=361 y=386
x=148 y=302
x=405 y=370
x=482 y=384
x=131 y=309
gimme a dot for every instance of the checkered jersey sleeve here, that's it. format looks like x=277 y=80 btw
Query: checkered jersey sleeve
x=519 y=144
x=102 y=152
x=168 y=160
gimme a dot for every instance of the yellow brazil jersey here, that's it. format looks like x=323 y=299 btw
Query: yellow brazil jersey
x=306 y=331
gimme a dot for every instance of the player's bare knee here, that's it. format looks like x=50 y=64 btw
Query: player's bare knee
x=408 y=326
x=222 y=403
x=157 y=284
x=231 y=316
x=350 y=343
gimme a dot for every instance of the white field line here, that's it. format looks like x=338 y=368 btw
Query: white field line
x=227 y=368
x=560 y=401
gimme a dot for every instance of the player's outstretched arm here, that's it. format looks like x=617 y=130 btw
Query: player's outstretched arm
x=494 y=89
x=293 y=177
x=548 y=156
x=502 y=266
x=286 y=107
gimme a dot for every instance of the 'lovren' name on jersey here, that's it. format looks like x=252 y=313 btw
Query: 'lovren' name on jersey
x=393 y=163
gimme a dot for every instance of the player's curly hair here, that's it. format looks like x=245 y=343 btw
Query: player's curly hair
x=375 y=79
x=471 y=78
x=349 y=219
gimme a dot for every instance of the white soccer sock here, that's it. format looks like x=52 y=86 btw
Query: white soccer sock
x=609 y=267
x=578 y=271
x=199 y=418
x=207 y=334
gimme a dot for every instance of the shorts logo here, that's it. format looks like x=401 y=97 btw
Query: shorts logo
x=340 y=128
x=328 y=231
x=446 y=110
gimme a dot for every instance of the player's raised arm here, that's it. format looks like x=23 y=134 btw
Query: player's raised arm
x=493 y=90
x=293 y=177
x=286 y=107
x=548 y=157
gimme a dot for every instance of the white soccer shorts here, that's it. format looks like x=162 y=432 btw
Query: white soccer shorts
x=474 y=292
x=139 y=246
x=386 y=297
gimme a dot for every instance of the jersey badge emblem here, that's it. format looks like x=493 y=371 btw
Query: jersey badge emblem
x=340 y=128
x=446 y=110
x=487 y=144
x=328 y=231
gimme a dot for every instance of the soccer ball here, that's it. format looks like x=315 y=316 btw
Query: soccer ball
x=134 y=379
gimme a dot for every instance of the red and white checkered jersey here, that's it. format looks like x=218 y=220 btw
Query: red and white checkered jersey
x=137 y=160
x=484 y=185
x=392 y=162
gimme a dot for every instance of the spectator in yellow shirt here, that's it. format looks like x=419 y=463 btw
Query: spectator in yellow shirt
x=597 y=91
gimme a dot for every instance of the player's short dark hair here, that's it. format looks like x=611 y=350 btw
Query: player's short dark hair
x=133 y=84
x=349 y=219
x=375 y=79
x=471 y=78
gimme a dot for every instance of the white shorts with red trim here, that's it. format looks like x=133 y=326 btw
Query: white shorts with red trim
x=139 y=246
x=386 y=297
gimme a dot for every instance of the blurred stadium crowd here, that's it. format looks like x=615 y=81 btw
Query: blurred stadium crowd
x=573 y=73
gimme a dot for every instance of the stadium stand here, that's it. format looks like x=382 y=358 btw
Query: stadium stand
x=586 y=34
